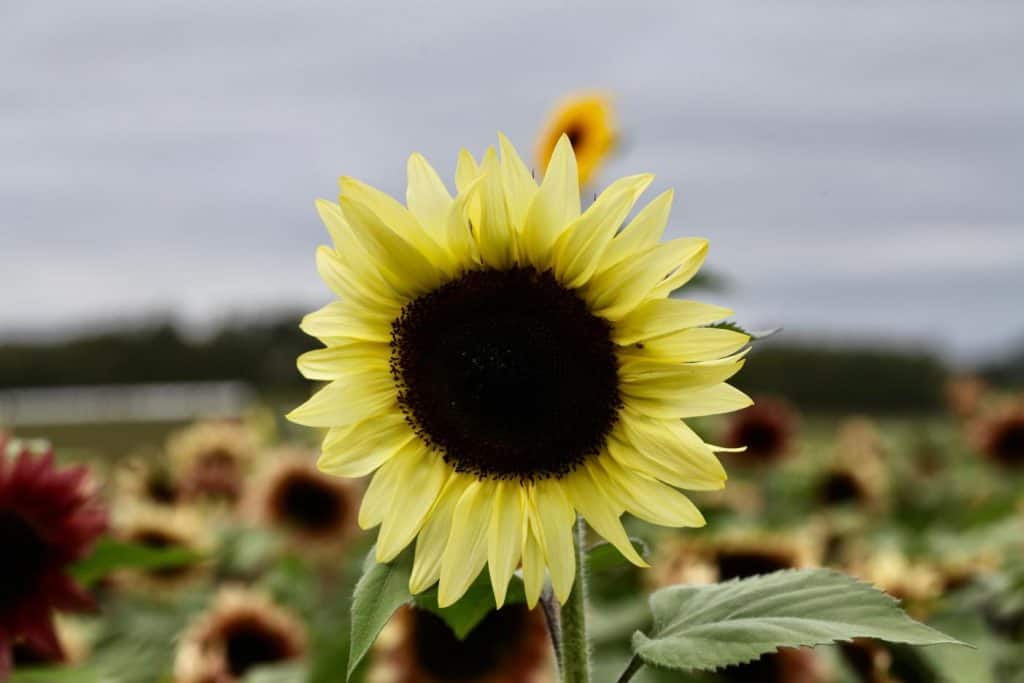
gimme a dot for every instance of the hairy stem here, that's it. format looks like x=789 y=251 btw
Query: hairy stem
x=575 y=648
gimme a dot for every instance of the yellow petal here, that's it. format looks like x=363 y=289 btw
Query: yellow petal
x=494 y=232
x=556 y=203
x=427 y=197
x=556 y=517
x=670 y=384
x=430 y=545
x=352 y=400
x=346 y=319
x=601 y=511
x=359 y=449
x=368 y=290
x=423 y=474
x=341 y=361
x=395 y=216
x=505 y=540
x=642 y=233
x=696 y=343
x=578 y=251
x=459 y=235
x=647 y=498
x=620 y=289
x=385 y=488
x=713 y=400
x=466 y=552
x=533 y=562
x=520 y=186
x=664 y=316
x=466 y=170
x=681 y=275
x=682 y=458
x=405 y=268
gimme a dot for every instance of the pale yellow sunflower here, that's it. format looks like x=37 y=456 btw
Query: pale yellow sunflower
x=588 y=120
x=502 y=360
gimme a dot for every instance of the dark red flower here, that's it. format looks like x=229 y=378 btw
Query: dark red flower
x=48 y=519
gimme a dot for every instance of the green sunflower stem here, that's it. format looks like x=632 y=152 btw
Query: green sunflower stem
x=575 y=648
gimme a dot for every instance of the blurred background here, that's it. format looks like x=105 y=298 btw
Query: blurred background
x=856 y=167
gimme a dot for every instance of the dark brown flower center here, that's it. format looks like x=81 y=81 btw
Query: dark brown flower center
x=1008 y=444
x=576 y=133
x=742 y=564
x=763 y=438
x=507 y=373
x=303 y=501
x=25 y=555
x=841 y=488
x=216 y=474
x=250 y=642
x=487 y=649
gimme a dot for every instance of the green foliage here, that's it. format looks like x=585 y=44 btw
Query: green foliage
x=603 y=556
x=867 y=379
x=714 y=626
x=381 y=590
x=110 y=555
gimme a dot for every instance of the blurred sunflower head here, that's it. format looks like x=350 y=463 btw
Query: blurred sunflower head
x=788 y=665
x=316 y=510
x=588 y=121
x=845 y=485
x=502 y=360
x=161 y=527
x=211 y=460
x=916 y=584
x=148 y=481
x=999 y=435
x=736 y=554
x=509 y=646
x=869 y=660
x=767 y=429
x=241 y=631
x=49 y=518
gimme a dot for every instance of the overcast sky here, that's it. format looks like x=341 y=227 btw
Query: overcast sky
x=857 y=166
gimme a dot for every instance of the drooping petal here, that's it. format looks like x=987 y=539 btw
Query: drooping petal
x=556 y=517
x=466 y=552
x=695 y=344
x=647 y=498
x=386 y=487
x=600 y=510
x=712 y=400
x=422 y=476
x=533 y=561
x=675 y=445
x=430 y=544
x=336 y=362
x=504 y=545
x=341 y=319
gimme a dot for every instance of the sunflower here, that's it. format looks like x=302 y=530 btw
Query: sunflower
x=767 y=429
x=241 y=631
x=587 y=120
x=49 y=518
x=509 y=646
x=161 y=527
x=787 y=665
x=999 y=435
x=211 y=460
x=502 y=361
x=147 y=480
x=316 y=511
x=916 y=584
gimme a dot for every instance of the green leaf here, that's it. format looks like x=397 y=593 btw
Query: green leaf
x=708 y=627
x=381 y=590
x=604 y=556
x=110 y=555
x=754 y=336
x=56 y=674
x=474 y=606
